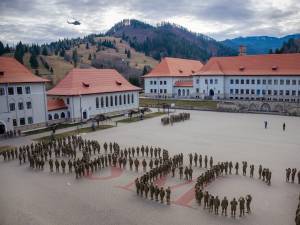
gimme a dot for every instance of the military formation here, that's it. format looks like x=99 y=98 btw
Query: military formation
x=12 y=133
x=175 y=118
x=297 y=218
x=290 y=175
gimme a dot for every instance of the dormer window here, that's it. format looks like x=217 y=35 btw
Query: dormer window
x=180 y=71
x=274 y=68
x=242 y=68
x=118 y=82
x=1 y=73
x=193 y=71
x=85 y=84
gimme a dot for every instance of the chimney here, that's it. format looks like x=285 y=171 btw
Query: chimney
x=242 y=50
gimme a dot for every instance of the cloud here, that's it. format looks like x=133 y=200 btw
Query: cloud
x=44 y=21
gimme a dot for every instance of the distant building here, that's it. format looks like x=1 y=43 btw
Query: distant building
x=85 y=93
x=23 y=103
x=172 y=78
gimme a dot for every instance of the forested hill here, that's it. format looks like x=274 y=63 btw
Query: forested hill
x=168 y=39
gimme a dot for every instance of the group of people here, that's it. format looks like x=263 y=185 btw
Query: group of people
x=12 y=133
x=291 y=174
x=283 y=125
x=175 y=118
x=297 y=218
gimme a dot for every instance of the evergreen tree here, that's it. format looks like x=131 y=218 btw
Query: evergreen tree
x=19 y=53
x=134 y=81
x=90 y=56
x=33 y=61
x=2 y=49
x=37 y=72
x=87 y=45
x=270 y=51
x=44 y=51
x=128 y=54
x=7 y=49
x=51 y=70
x=75 y=57
x=62 y=53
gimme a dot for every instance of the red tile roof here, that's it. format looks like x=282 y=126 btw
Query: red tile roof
x=256 y=65
x=182 y=83
x=56 y=104
x=175 y=67
x=11 y=71
x=91 y=81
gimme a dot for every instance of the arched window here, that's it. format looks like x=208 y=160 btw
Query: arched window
x=128 y=98
x=179 y=92
x=111 y=101
x=124 y=97
x=132 y=98
x=97 y=103
x=62 y=115
x=69 y=114
x=187 y=92
x=120 y=99
x=183 y=92
x=116 y=100
x=49 y=117
x=106 y=101
x=56 y=116
x=102 y=102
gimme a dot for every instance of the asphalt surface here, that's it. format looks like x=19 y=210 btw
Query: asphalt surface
x=108 y=197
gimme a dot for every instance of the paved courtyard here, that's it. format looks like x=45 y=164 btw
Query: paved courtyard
x=109 y=198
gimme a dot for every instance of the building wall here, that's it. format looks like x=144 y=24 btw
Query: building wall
x=29 y=107
x=208 y=86
x=89 y=106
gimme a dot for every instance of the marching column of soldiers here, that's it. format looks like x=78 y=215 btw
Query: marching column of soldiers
x=297 y=218
x=291 y=174
x=175 y=118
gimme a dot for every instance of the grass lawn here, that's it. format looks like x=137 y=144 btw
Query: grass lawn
x=145 y=102
x=4 y=148
x=75 y=132
x=146 y=116
x=58 y=126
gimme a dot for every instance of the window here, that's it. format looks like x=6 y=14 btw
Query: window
x=281 y=92
x=159 y=83
x=116 y=100
x=120 y=99
x=132 y=98
x=258 y=81
x=124 y=99
x=281 y=82
x=263 y=92
x=287 y=82
x=2 y=91
x=154 y=82
x=236 y=91
x=242 y=81
x=69 y=114
x=179 y=92
x=264 y=82
x=197 y=90
x=29 y=120
x=56 y=116
x=269 y=92
x=183 y=92
x=62 y=115
x=165 y=82
x=247 y=91
x=258 y=92
x=22 y=121
x=287 y=92
x=275 y=92
x=15 y=123
x=21 y=106
x=252 y=81
x=294 y=82
x=211 y=81
x=106 y=101
x=28 y=105
x=97 y=103
x=216 y=81
x=155 y=90
x=252 y=91
x=151 y=90
x=151 y=82
x=242 y=91
x=247 y=81
x=237 y=81
x=68 y=101
x=231 y=81
x=102 y=102
x=197 y=81
x=269 y=82
x=12 y=107
x=206 y=81
x=165 y=91
x=10 y=91
x=275 y=82
x=49 y=117
x=19 y=90
x=293 y=92
x=111 y=101
x=231 y=91
x=27 y=90
x=160 y=91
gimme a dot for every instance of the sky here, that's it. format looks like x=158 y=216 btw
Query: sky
x=42 y=21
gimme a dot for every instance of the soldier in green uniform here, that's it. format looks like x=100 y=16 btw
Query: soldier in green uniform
x=236 y=168
x=251 y=171
x=224 y=205
x=57 y=166
x=211 y=203
x=146 y=189
x=259 y=171
x=180 y=172
x=70 y=166
x=51 y=165
x=168 y=196
x=142 y=185
x=156 y=193
x=217 y=205
x=162 y=194
x=63 y=165
x=144 y=164
x=230 y=167
x=242 y=206
x=233 y=205
x=137 y=185
x=248 y=202
x=152 y=190
x=206 y=199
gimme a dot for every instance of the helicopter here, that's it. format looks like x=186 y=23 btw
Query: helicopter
x=75 y=22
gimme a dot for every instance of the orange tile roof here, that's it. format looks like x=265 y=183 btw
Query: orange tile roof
x=256 y=65
x=91 y=81
x=11 y=71
x=182 y=83
x=56 y=104
x=175 y=67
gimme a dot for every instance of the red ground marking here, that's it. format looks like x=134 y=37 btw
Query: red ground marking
x=186 y=198
x=115 y=172
x=161 y=181
x=182 y=184
x=127 y=187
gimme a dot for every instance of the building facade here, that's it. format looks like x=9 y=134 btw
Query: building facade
x=23 y=103
x=87 y=93
x=273 y=77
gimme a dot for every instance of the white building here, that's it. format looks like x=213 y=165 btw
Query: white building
x=273 y=77
x=90 y=92
x=172 y=77
x=23 y=102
